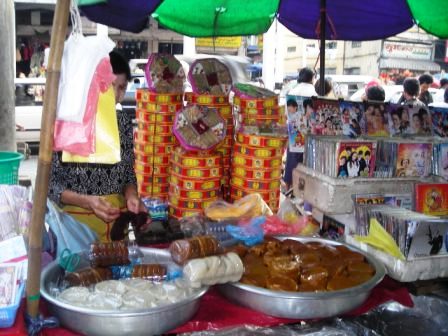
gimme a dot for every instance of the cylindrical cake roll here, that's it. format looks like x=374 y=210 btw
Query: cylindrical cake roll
x=196 y=247
x=88 y=276
x=108 y=254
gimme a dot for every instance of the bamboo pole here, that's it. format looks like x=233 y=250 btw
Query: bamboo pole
x=58 y=34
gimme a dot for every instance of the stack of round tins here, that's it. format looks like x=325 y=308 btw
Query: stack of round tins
x=221 y=103
x=257 y=106
x=195 y=181
x=256 y=167
x=154 y=141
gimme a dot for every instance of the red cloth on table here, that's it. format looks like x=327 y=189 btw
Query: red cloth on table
x=215 y=312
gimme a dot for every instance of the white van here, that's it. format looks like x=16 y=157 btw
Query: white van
x=29 y=96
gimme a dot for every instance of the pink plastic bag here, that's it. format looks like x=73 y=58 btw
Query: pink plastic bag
x=79 y=138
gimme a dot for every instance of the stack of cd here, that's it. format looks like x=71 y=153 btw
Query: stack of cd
x=195 y=181
x=256 y=167
x=416 y=235
x=221 y=103
x=257 y=106
x=340 y=157
x=403 y=158
x=440 y=158
x=154 y=141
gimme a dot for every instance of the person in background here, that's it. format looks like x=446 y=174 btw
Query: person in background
x=305 y=87
x=425 y=81
x=411 y=89
x=444 y=83
x=375 y=93
x=96 y=194
x=328 y=86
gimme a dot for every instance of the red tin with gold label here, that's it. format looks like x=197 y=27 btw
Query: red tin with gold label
x=251 y=162
x=257 y=152
x=152 y=179
x=159 y=129
x=158 y=108
x=208 y=100
x=146 y=96
x=195 y=184
x=263 y=112
x=144 y=168
x=149 y=159
x=197 y=159
x=258 y=174
x=150 y=138
x=192 y=194
x=147 y=117
x=197 y=173
x=152 y=189
x=261 y=141
x=253 y=184
x=155 y=149
x=255 y=103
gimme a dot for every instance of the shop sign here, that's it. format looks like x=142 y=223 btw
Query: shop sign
x=233 y=42
x=406 y=50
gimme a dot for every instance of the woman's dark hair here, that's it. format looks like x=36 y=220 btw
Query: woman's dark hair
x=119 y=65
x=445 y=95
x=327 y=86
x=292 y=102
x=307 y=102
x=425 y=79
x=443 y=82
x=376 y=93
x=306 y=75
x=411 y=86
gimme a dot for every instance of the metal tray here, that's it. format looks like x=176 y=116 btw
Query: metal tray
x=301 y=305
x=134 y=322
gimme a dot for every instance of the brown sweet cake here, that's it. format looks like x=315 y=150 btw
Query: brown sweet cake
x=88 y=276
x=291 y=265
x=197 y=247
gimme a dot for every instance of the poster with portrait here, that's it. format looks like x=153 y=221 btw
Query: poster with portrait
x=356 y=159
x=413 y=160
x=420 y=120
x=432 y=198
x=398 y=119
x=328 y=117
x=439 y=118
x=300 y=121
x=352 y=118
x=376 y=120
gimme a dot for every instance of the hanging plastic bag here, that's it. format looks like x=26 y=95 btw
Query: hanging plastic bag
x=107 y=147
x=79 y=138
x=69 y=233
x=80 y=58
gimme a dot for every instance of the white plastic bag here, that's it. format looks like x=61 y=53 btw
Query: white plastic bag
x=80 y=58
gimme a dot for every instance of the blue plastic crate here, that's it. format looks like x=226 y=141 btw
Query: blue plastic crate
x=8 y=314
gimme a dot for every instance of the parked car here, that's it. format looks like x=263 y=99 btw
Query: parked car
x=28 y=111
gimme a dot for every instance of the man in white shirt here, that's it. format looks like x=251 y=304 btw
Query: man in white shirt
x=305 y=88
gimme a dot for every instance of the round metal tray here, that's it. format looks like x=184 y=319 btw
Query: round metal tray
x=131 y=322
x=304 y=305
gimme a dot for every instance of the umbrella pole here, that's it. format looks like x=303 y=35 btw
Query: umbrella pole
x=323 y=21
x=58 y=34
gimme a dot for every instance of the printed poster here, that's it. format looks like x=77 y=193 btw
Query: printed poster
x=413 y=160
x=377 y=123
x=328 y=117
x=356 y=159
x=432 y=198
x=439 y=118
x=352 y=118
x=300 y=122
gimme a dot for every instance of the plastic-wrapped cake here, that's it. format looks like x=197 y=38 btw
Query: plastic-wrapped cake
x=210 y=76
x=199 y=128
x=164 y=74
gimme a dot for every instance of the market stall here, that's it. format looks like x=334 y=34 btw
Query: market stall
x=263 y=268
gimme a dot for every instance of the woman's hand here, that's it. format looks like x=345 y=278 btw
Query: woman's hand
x=103 y=209
x=134 y=204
